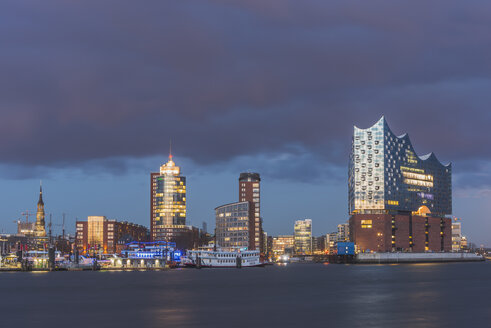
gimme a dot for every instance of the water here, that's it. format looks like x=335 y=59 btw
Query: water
x=297 y=295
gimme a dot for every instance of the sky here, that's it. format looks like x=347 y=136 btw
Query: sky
x=91 y=92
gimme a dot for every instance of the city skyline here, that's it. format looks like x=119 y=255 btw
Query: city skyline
x=326 y=226
x=92 y=120
x=211 y=163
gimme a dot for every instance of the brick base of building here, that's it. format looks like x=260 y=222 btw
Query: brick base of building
x=400 y=232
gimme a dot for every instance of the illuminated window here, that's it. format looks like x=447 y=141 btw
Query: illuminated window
x=366 y=224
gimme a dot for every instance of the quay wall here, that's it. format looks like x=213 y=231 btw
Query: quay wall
x=416 y=257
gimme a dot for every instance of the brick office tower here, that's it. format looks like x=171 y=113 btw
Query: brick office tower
x=398 y=201
x=249 y=191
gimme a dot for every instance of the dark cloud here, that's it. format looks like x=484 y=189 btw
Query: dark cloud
x=86 y=81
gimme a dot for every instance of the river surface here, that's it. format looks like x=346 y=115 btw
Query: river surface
x=295 y=295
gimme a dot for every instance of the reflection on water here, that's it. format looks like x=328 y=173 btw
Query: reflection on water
x=293 y=295
x=424 y=264
x=172 y=317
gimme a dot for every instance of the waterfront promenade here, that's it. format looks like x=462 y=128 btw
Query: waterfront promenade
x=159 y=265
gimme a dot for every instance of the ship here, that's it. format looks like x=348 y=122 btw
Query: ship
x=221 y=258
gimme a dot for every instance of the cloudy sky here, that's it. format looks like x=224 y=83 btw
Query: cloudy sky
x=92 y=91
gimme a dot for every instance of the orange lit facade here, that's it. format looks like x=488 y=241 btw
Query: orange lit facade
x=167 y=202
x=283 y=244
x=100 y=235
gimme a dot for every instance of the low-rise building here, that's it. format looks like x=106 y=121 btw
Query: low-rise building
x=12 y=243
x=283 y=245
x=184 y=236
x=343 y=232
x=269 y=248
x=463 y=243
x=27 y=229
x=456 y=236
x=459 y=241
x=318 y=245
x=101 y=235
x=331 y=241
x=401 y=233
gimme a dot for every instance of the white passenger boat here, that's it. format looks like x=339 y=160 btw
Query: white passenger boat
x=221 y=258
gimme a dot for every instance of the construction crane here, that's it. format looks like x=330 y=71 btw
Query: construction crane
x=27 y=214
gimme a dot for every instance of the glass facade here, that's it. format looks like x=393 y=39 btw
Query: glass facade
x=232 y=225
x=303 y=237
x=283 y=244
x=386 y=175
x=456 y=236
x=168 y=200
x=95 y=230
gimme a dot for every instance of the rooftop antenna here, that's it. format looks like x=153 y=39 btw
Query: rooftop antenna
x=63 y=227
x=170 y=149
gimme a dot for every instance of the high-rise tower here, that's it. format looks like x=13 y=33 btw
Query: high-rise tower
x=167 y=201
x=40 y=230
x=398 y=201
x=386 y=175
x=249 y=191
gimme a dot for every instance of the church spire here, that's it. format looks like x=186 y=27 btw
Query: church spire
x=40 y=193
x=40 y=228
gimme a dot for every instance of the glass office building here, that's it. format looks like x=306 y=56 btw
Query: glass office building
x=303 y=237
x=232 y=225
x=283 y=244
x=386 y=176
x=168 y=201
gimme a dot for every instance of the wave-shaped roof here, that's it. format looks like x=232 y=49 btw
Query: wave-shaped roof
x=425 y=158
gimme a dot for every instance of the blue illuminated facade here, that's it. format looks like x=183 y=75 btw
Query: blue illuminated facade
x=346 y=248
x=152 y=250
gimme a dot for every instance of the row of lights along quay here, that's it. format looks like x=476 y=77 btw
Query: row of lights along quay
x=400 y=207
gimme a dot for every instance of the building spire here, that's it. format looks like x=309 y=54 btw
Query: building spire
x=40 y=228
x=40 y=192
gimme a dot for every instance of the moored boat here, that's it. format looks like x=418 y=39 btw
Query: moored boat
x=221 y=258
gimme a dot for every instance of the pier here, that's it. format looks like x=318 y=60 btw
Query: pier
x=417 y=257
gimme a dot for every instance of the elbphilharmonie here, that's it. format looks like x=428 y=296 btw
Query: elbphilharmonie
x=405 y=195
